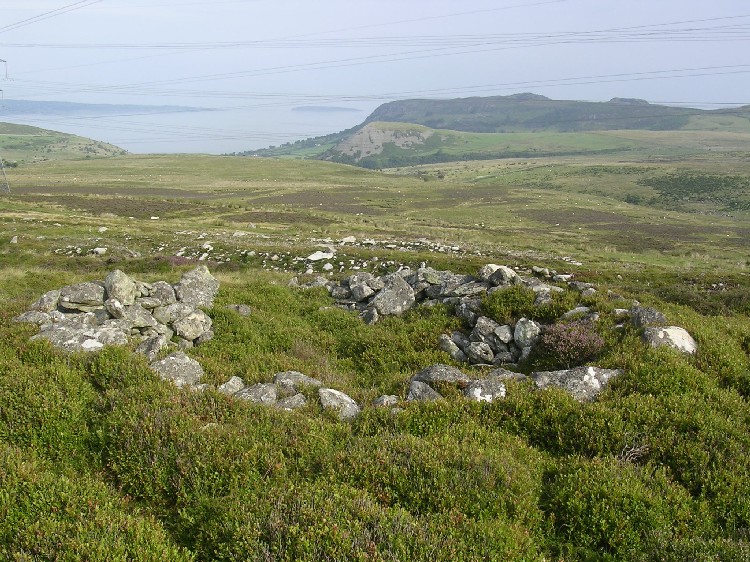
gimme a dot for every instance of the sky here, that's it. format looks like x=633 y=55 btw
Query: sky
x=254 y=61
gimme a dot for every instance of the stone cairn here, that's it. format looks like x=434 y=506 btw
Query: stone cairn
x=88 y=316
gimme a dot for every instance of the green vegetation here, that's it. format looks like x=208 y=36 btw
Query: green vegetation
x=21 y=144
x=100 y=460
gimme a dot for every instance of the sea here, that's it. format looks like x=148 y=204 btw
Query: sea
x=174 y=129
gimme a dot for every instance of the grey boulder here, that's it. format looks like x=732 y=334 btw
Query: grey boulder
x=179 y=369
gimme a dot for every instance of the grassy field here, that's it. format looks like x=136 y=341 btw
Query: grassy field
x=99 y=460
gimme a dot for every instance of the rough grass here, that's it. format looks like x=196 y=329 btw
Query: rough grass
x=103 y=461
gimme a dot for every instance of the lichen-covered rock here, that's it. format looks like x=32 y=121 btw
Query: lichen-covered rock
x=179 y=369
x=671 y=336
x=121 y=287
x=241 y=309
x=642 y=316
x=385 y=401
x=33 y=317
x=292 y=402
x=232 y=386
x=193 y=325
x=480 y=353
x=150 y=347
x=526 y=333
x=163 y=292
x=504 y=275
x=296 y=380
x=332 y=399
x=261 y=393
x=485 y=390
x=47 y=302
x=396 y=296
x=449 y=346
x=84 y=297
x=442 y=374
x=583 y=383
x=197 y=288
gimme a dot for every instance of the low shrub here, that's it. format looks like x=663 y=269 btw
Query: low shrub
x=567 y=345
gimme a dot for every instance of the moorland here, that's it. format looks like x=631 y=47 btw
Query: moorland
x=102 y=460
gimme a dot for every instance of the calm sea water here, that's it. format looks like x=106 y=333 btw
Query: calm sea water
x=213 y=132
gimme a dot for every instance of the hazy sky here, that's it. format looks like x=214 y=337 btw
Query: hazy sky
x=256 y=59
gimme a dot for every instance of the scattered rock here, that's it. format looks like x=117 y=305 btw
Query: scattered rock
x=261 y=393
x=241 y=309
x=335 y=400
x=292 y=402
x=642 y=316
x=385 y=401
x=422 y=392
x=179 y=368
x=440 y=373
x=671 y=336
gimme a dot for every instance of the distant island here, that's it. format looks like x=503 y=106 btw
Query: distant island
x=325 y=109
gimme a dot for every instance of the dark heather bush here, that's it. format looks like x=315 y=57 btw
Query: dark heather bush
x=568 y=345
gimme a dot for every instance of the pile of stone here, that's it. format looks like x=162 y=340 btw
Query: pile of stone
x=284 y=393
x=583 y=383
x=395 y=293
x=87 y=316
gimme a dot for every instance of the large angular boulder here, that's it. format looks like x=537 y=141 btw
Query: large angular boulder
x=178 y=368
x=121 y=287
x=47 y=302
x=671 y=336
x=197 y=288
x=583 y=383
x=396 y=296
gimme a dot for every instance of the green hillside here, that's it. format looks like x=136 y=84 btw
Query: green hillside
x=23 y=144
x=413 y=132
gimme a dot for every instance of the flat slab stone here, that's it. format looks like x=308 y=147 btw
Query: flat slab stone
x=583 y=383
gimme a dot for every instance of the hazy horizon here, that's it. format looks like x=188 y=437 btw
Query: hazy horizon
x=253 y=61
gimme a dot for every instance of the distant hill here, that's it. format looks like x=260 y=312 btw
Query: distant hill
x=21 y=144
x=452 y=129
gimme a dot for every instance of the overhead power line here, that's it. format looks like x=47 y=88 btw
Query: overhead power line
x=50 y=14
